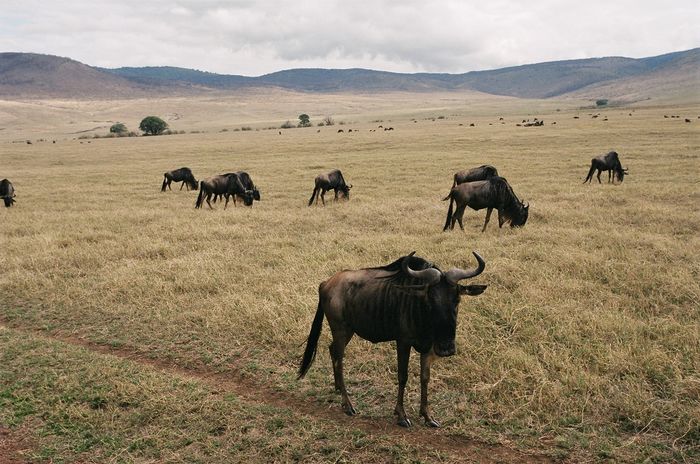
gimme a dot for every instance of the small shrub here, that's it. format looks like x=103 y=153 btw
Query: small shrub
x=118 y=128
x=287 y=125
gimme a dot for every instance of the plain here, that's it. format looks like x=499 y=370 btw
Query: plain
x=138 y=329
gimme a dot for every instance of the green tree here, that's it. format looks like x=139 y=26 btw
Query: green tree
x=304 y=120
x=601 y=102
x=153 y=125
x=118 y=128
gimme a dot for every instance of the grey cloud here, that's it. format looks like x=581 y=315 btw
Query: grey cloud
x=253 y=38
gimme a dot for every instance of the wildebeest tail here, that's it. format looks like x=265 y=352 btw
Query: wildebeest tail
x=165 y=181
x=312 y=342
x=311 y=200
x=449 y=210
x=200 y=197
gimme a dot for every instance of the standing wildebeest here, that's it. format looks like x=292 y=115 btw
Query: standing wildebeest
x=483 y=172
x=247 y=184
x=410 y=301
x=491 y=193
x=609 y=162
x=222 y=185
x=183 y=175
x=331 y=181
x=7 y=192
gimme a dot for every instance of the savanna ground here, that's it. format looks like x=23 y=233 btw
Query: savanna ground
x=134 y=328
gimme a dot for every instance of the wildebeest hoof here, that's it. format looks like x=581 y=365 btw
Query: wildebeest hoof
x=430 y=422
x=349 y=409
x=405 y=422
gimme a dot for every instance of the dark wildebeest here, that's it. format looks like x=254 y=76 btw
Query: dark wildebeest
x=483 y=172
x=609 y=162
x=410 y=301
x=247 y=185
x=7 y=192
x=332 y=181
x=222 y=185
x=491 y=193
x=183 y=175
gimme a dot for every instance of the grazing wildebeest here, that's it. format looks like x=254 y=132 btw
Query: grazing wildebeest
x=331 y=181
x=183 y=175
x=222 y=185
x=609 y=162
x=7 y=192
x=491 y=193
x=483 y=172
x=247 y=185
x=410 y=301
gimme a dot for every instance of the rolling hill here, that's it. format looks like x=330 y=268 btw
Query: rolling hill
x=31 y=75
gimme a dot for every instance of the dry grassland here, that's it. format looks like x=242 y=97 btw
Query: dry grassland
x=585 y=346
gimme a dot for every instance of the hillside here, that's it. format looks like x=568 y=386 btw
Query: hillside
x=674 y=74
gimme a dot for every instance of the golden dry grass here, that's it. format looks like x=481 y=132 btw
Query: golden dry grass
x=586 y=344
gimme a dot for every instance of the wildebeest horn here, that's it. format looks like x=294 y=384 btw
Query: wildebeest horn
x=455 y=275
x=429 y=276
x=350 y=186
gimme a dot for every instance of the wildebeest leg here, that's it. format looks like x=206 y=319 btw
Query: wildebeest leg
x=459 y=213
x=226 y=204
x=403 y=353
x=323 y=194
x=488 y=218
x=599 y=172
x=426 y=359
x=337 y=348
x=208 y=202
x=182 y=185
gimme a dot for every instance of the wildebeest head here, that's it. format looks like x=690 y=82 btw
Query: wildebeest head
x=8 y=201
x=248 y=196
x=620 y=173
x=443 y=295
x=192 y=182
x=344 y=191
x=520 y=217
x=256 y=194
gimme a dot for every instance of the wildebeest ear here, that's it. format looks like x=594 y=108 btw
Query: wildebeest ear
x=472 y=290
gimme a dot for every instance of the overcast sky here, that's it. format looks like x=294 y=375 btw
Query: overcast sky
x=258 y=37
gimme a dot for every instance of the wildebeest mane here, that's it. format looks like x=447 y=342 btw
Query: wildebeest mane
x=504 y=192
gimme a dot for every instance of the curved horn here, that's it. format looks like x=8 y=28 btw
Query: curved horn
x=430 y=276
x=526 y=206
x=455 y=275
x=350 y=186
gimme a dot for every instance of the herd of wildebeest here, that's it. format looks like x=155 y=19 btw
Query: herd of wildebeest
x=410 y=301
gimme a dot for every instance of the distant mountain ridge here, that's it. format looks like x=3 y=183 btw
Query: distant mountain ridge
x=27 y=74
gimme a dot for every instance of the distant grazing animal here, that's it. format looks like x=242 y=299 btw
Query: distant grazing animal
x=7 y=192
x=183 y=175
x=332 y=181
x=483 y=172
x=410 y=301
x=222 y=185
x=609 y=162
x=494 y=192
x=247 y=185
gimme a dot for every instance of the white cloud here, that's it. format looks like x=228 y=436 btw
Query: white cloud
x=252 y=38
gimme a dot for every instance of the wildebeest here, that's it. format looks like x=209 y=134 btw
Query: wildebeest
x=183 y=175
x=247 y=185
x=331 y=181
x=483 y=172
x=7 y=192
x=410 y=301
x=491 y=193
x=609 y=162
x=222 y=185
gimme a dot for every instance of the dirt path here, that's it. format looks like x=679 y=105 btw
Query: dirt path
x=254 y=392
